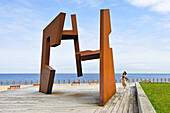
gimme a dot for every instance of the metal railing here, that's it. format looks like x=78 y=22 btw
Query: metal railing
x=70 y=81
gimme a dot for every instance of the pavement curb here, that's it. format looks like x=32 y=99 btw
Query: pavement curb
x=144 y=104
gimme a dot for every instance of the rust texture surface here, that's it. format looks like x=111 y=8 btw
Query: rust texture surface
x=107 y=75
x=52 y=36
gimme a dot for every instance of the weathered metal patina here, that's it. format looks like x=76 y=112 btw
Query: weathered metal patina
x=52 y=36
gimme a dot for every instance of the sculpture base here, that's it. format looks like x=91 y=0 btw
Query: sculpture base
x=46 y=80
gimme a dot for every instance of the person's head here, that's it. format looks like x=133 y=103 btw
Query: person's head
x=124 y=73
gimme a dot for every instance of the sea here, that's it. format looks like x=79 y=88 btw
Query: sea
x=33 y=78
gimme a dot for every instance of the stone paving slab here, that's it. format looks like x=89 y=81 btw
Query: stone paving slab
x=67 y=99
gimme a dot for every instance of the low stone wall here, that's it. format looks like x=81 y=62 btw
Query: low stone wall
x=144 y=104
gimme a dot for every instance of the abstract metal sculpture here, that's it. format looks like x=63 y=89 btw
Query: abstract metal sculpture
x=52 y=36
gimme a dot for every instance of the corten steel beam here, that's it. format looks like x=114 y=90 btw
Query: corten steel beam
x=89 y=55
x=73 y=34
x=52 y=36
x=107 y=75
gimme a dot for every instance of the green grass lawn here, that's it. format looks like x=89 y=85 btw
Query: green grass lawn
x=159 y=95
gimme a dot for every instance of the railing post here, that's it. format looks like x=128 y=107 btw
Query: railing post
x=83 y=80
x=14 y=82
x=137 y=80
x=79 y=80
x=1 y=82
x=116 y=80
x=20 y=82
x=132 y=79
x=25 y=82
x=161 y=79
x=88 y=80
x=157 y=80
x=37 y=81
x=153 y=80
x=69 y=81
x=74 y=80
x=165 y=79
x=31 y=81
x=8 y=82
x=64 y=81
x=149 y=79
x=129 y=80
x=58 y=81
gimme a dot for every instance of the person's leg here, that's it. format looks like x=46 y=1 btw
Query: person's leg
x=125 y=84
x=122 y=84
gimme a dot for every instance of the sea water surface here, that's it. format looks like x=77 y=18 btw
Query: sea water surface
x=36 y=76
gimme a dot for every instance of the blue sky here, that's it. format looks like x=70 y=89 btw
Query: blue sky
x=140 y=35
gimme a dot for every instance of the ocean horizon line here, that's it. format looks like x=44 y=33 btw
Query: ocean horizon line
x=91 y=73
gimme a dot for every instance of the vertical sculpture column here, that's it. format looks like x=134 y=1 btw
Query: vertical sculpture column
x=73 y=34
x=52 y=36
x=47 y=73
x=107 y=75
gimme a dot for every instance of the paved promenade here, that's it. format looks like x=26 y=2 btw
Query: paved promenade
x=67 y=99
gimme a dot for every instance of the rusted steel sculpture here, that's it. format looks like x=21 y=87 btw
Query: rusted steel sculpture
x=52 y=36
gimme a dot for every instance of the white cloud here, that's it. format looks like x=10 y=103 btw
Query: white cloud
x=20 y=32
x=114 y=4
x=162 y=6
x=93 y=3
x=167 y=25
x=144 y=3
x=141 y=44
x=90 y=3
